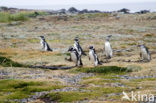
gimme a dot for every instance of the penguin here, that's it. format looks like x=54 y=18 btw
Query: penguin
x=75 y=57
x=107 y=48
x=44 y=44
x=93 y=57
x=144 y=53
x=78 y=47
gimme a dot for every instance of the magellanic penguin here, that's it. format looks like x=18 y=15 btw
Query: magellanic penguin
x=44 y=44
x=78 y=47
x=75 y=57
x=93 y=57
x=144 y=53
x=107 y=48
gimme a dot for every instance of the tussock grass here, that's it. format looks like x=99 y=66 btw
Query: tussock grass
x=19 y=89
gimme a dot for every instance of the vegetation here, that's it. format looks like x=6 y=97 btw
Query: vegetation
x=21 y=16
x=18 y=89
x=79 y=96
x=104 y=70
x=5 y=62
x=90 y=16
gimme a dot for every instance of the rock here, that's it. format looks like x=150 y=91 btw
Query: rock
x=73 y=10
x=24 y=100
x=14 y=23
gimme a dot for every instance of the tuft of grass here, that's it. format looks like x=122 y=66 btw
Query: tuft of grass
x=7 y=17
x=104 y=70
x=19 y=89
x=6 y=62
x=133 y=68
x=149 y=35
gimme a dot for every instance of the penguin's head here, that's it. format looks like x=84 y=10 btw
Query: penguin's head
x=141 y=46
x=76 y=39
x=108 y=37
x=42 y=37
x=91 y=47
x=71 y=48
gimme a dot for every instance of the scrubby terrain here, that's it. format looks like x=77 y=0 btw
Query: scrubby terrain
x=28 y=74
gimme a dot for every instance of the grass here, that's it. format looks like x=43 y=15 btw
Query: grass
x=6 y=62
x=145 y=79
x=133 y=68
x=103 y=70
x=18 y=89
x=97 y=81
x=90 y=16
x=7 y=17
x=34 y=40
x=20 y=16
x=67 y=96
x=74 y=96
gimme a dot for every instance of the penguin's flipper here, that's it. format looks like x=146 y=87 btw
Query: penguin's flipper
x=48 y=48
x=81 y=64
x=99 y=61
x=83 y=53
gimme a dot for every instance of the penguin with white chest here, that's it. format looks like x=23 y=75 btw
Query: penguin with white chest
x=144 y=53
x=93 y=56
x=75 y=57
x=107 y=48
x=44 y=44
x=78 y=47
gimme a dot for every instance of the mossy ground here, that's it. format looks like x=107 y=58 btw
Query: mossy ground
x=19 y=89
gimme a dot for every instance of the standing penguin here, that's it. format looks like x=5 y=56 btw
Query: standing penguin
x=44 y=44
x=145 y=54
x=92 y=56
x=108 y=50
x=78 y=47
x=75 y=57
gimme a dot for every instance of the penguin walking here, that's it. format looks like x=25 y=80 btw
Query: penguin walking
x=75 y=57
x=44 y=44
x=144 y=53
x=78 y=47
x=107 y=48
x=93 y=57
